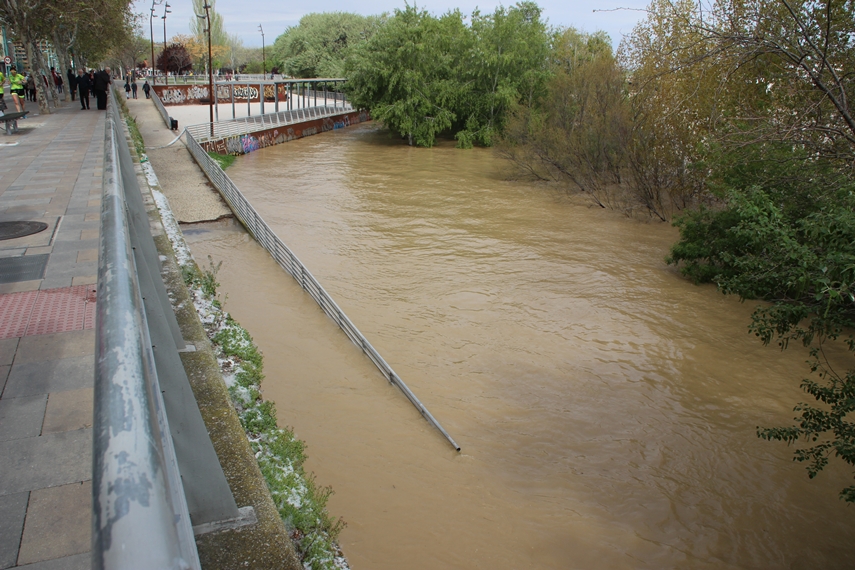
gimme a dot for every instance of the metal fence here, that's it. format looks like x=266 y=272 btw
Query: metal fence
x=265 y=236
x=204 y=132
x=161 y=109
x=141 y=517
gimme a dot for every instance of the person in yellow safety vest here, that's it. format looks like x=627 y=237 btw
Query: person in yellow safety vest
x=16 y=87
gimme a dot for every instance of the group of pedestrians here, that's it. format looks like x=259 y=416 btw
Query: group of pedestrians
x=95 y=82
x=22 y=88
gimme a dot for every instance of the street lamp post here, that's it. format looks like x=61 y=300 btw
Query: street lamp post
x=166 y=11
x=207 y=18
x=151 y=30
x=263 y=58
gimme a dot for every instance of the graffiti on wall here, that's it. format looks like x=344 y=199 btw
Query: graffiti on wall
x=245 y=144
x=173 y=96
x=182 y=94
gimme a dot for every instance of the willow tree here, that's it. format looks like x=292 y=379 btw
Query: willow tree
x=319 y=45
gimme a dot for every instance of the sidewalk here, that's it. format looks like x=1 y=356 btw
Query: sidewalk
x=47 y=340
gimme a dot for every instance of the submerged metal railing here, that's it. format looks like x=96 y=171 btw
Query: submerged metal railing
x=268 y=239
x=204 y=132
x=141 y=518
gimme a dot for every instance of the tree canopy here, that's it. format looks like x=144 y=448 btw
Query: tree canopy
x=422 y=75
x=320 y=44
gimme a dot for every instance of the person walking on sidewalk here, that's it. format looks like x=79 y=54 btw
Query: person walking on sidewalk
x=127 y=90
x=17 y=89
x=146 y=89
x=83 y=86
x=102 y=83
x=31 y=87
x=72 y=83
x=134 y=88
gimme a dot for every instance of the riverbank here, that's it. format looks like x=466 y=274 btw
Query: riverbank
x=297 y=501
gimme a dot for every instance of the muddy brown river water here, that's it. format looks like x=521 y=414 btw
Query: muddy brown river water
x=606 y=407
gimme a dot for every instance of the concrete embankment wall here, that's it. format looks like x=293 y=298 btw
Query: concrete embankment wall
x=246 y=143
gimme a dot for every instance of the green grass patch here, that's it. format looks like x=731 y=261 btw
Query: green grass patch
x=224 y=160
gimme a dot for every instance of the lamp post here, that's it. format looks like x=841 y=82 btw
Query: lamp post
x=207 y=18
x=151 y=30
x=263 y=59
x=166 y=11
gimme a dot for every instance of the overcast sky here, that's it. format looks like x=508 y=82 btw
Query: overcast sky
x=242 y=17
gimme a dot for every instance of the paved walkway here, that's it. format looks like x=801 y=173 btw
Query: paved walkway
x=191 y=197
x=47 y=342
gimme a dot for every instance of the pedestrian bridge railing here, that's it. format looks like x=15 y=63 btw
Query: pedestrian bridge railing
x=268 y=239
x=141 y=517
x=204 y=132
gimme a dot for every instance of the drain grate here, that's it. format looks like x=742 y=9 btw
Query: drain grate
x=23 y=268
x=12 y=230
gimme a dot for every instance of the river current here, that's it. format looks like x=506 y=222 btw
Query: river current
x=605 y=406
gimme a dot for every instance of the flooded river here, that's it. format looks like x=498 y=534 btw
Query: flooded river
x=606 y=407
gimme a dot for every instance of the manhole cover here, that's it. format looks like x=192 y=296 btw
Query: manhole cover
x=12 y=230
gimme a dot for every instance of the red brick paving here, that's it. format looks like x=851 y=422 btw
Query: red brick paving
x=47 y=311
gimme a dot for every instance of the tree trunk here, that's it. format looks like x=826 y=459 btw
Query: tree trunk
x=36 y=70
x=51 y=86
x=61 y=55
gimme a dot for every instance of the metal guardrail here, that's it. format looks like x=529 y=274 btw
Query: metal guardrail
x=268 y=239
x=141 y=517
x=203 y=132
x=161 y=109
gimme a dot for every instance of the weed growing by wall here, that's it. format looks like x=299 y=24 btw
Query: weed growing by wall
x=300 y=501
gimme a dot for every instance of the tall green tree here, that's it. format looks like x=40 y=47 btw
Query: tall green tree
x=423 y=75
x=781 y=160
x=320 y=44
x=407 y=73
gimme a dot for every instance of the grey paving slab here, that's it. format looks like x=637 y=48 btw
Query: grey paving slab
x=50 y=376
x=68 y=411
x=4 y=374
x=77 y=562
x=45 y=461
x=55 y=346
x=12 y=252
x=13 y=508
x=22 y=417
x=7 y=350
x=56 y=282
x=58 y=523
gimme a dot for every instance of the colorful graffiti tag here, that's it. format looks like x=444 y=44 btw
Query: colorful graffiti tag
x=245 y=144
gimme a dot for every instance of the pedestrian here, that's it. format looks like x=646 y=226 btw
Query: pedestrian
x=31 y=87
x=2 y=102
x=57 y=79
x=17 y=89
x=100 y=86
x=134 y=88
x=127 y=89
x=83 y=86
x=146 y=88
x=72 y=83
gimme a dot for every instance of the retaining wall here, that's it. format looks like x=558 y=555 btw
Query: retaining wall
x=246 y=143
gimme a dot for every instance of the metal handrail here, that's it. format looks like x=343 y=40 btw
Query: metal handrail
x=268 y=239
x=161 y=109
x=141 y=518
x=202 y=132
